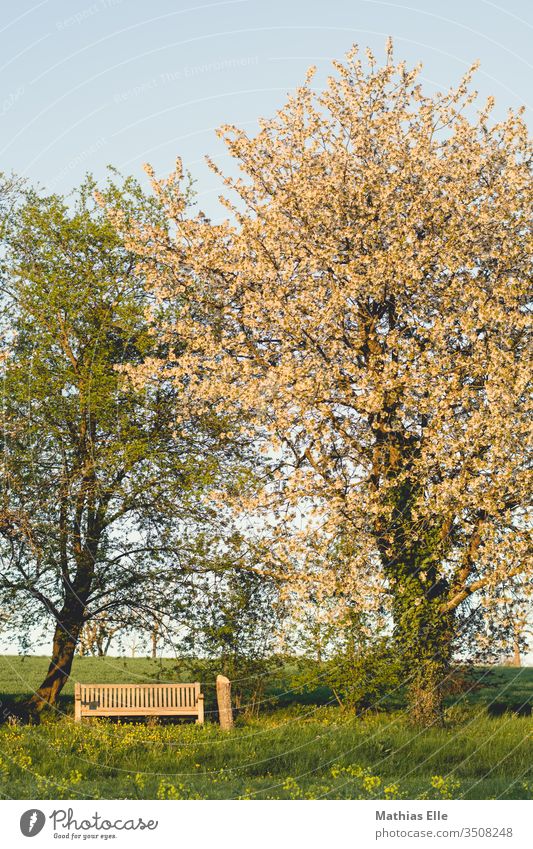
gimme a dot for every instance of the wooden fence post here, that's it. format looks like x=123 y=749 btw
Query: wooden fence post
x=225 y=713
x=77 y=702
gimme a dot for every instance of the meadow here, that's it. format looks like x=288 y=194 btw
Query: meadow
x=301 y=746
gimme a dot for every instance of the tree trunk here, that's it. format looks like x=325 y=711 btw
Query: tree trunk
x=423 y=634
x=412 y=556
x=155 y=634
x=516 y=653
x=425 y=693
x=424 y=639
x=425 y=647
x=66 y=637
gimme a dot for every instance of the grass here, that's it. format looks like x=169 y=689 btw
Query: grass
x=295 y=752
x=496 y=687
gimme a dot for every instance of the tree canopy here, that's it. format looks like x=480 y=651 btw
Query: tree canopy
x=365 y=309
x=102 y=507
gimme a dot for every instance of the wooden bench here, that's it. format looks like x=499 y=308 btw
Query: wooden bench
x=138 y=700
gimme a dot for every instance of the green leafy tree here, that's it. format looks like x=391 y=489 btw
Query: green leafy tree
x=236 y=632
x=103 y=480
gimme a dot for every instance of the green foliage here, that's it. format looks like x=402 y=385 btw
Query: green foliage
x=367 y=679
x=357 y=659
x=238 y=617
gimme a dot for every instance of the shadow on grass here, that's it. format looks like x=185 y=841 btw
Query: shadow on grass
x=497 y=709
x=15 y=708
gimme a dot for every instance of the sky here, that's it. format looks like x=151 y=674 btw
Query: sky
x=86 y=84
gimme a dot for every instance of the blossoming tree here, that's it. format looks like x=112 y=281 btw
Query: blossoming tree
x=365 y=309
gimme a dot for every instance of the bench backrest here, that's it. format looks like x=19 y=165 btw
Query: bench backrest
x=153 y=696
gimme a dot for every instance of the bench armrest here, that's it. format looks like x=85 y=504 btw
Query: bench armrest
x=200 y=707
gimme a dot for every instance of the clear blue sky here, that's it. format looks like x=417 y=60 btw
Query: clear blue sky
x=87 y=83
